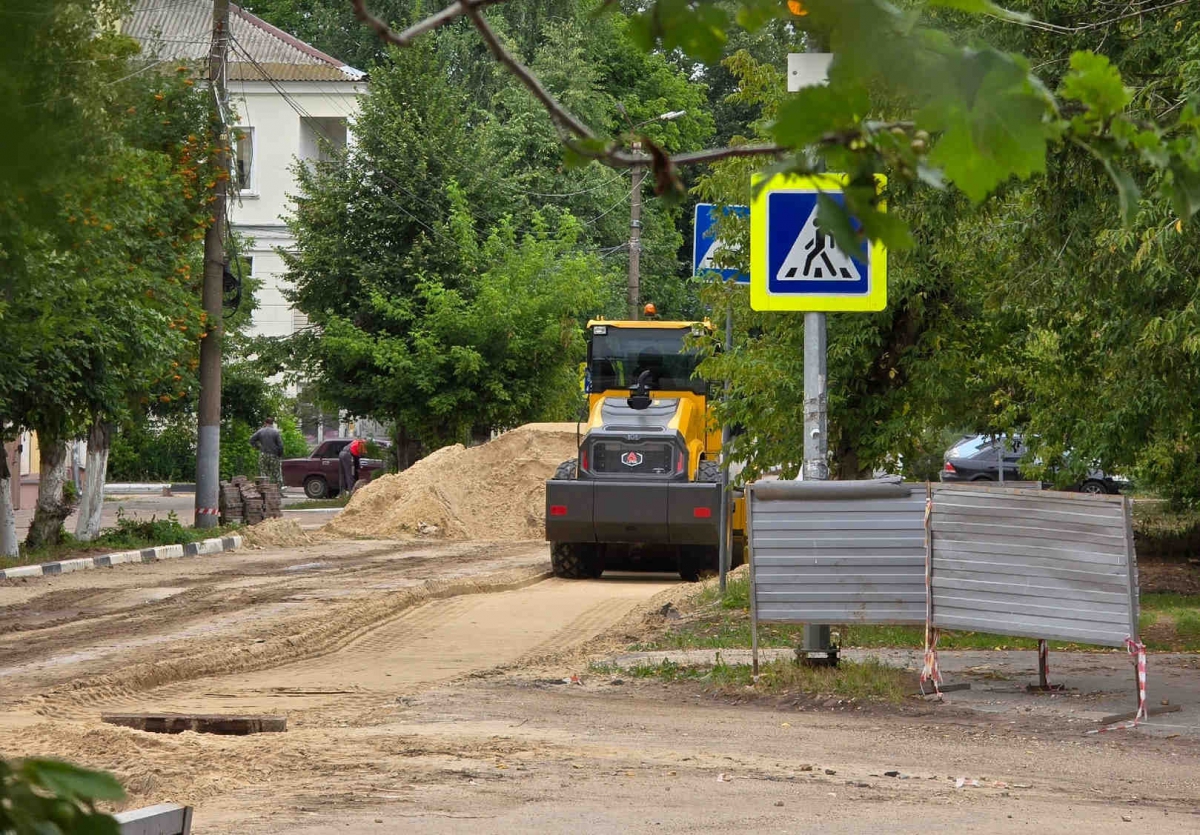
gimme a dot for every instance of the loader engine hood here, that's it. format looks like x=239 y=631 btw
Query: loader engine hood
x=635 y=443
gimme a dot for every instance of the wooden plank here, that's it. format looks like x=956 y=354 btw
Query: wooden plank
x=204 y=723
x=1150 y=711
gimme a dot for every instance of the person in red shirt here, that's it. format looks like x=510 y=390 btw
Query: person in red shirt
x=350 y=461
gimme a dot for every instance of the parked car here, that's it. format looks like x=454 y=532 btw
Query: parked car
x=977 y=458
x=319 y=473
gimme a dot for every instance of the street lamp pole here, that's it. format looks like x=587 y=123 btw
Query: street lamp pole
x=634 y=290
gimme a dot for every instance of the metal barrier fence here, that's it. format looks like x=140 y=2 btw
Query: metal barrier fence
x=163 y=819
x=837 y=551
x=1033 y=563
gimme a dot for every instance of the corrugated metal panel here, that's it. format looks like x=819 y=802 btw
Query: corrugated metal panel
x=838 y=557
x=182 y=30
x=1034 y=563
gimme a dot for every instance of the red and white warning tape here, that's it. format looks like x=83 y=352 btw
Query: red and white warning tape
x=930 y=671
x=1137 y=652
x=207 y=511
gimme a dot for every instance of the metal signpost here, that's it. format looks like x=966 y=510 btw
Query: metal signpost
x=705 y=247
x=796 y=266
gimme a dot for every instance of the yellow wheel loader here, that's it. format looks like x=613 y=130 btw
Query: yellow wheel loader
x=644 y=491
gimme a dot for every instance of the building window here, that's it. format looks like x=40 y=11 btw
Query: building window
x=321 y=137
x=243 y=160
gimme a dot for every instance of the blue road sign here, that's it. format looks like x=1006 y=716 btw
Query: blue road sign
x=705 y=244
x=796 y=266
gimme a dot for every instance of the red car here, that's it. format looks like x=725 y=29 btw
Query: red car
x=319 y=473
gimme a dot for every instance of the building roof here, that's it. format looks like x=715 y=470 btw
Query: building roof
x=258 y=51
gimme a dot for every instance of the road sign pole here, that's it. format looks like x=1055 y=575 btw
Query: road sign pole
x=816 y=637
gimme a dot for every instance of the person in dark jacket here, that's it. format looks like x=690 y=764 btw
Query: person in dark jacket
x=269 y=444
x=350 y=461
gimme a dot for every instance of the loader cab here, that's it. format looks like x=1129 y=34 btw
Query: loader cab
x=618 y=353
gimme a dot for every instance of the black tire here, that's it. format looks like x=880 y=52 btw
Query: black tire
x=983 y=478
x=697 y=560
x=567 y=470
x=1093 y=487
x=709 y=472
x=316 y=487
x=576 y=560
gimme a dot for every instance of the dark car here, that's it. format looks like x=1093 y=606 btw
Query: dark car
x=977 y=458
x=319 y=473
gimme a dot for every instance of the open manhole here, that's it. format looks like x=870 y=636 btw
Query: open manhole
x=202 y=723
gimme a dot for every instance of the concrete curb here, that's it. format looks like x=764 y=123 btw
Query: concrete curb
x=160 y=552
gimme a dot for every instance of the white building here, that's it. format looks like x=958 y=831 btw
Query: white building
x=293 y=102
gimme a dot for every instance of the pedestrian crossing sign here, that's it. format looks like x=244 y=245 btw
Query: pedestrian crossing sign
x=794 y=265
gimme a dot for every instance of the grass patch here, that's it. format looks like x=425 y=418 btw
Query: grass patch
x=868 y=681
x=1169 y=622
x=129 y=534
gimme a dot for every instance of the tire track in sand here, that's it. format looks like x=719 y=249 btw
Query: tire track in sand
x=434 y=642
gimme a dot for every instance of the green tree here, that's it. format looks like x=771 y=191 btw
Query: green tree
x=99 y=256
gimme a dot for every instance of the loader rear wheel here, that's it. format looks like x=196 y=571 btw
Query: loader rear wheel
x=697 y=560
x=709 y=472
x=566 y=470
x=576 y=560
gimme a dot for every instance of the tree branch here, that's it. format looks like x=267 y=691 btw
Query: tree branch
x=562 y=117
x=434 y=21
x=570 y=126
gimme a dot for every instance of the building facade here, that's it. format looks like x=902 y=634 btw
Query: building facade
x=292 y=103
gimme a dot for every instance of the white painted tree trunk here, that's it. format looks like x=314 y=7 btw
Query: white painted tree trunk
x=8 y=516
x=91 y=506
x=52 y=509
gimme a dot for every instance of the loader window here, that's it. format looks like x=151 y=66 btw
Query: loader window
x=618 y=356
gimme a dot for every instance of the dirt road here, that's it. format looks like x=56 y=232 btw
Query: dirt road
x=423 y=686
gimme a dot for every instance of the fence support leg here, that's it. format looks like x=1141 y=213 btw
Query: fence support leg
x=1043 y=685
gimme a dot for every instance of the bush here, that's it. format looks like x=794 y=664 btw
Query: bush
x=50 y=796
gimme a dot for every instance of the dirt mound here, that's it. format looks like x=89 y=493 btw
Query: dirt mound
x=495 y=491
x=276 y=533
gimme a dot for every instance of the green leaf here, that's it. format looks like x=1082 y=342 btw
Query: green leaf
x=986 y=7
x=814 y=111
x=67 y=780
x=1096 y=84
x=994 y=130
x=698 y=29
x=1184 y=190
x=834 y=219
x=1128 y=193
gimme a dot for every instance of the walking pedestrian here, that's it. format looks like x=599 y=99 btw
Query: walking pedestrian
x=269 y=444
x=350 y=461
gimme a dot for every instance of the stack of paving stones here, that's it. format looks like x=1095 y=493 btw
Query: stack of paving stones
x=252 y=500
x=272 y=498
x=230 y=504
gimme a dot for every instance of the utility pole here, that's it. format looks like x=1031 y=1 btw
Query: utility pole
x=635 y=235
x=208 y=435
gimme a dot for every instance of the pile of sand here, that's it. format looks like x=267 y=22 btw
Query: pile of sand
x=494 y=491
x=275 y=533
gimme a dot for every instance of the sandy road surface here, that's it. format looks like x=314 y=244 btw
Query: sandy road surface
x=419 y=696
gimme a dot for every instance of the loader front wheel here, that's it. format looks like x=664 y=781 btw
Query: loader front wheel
x=567 y=470
x=576 y=560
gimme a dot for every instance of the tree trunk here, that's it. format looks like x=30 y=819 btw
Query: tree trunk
x=92 y=503
x=8 y=516
x=53 y=506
